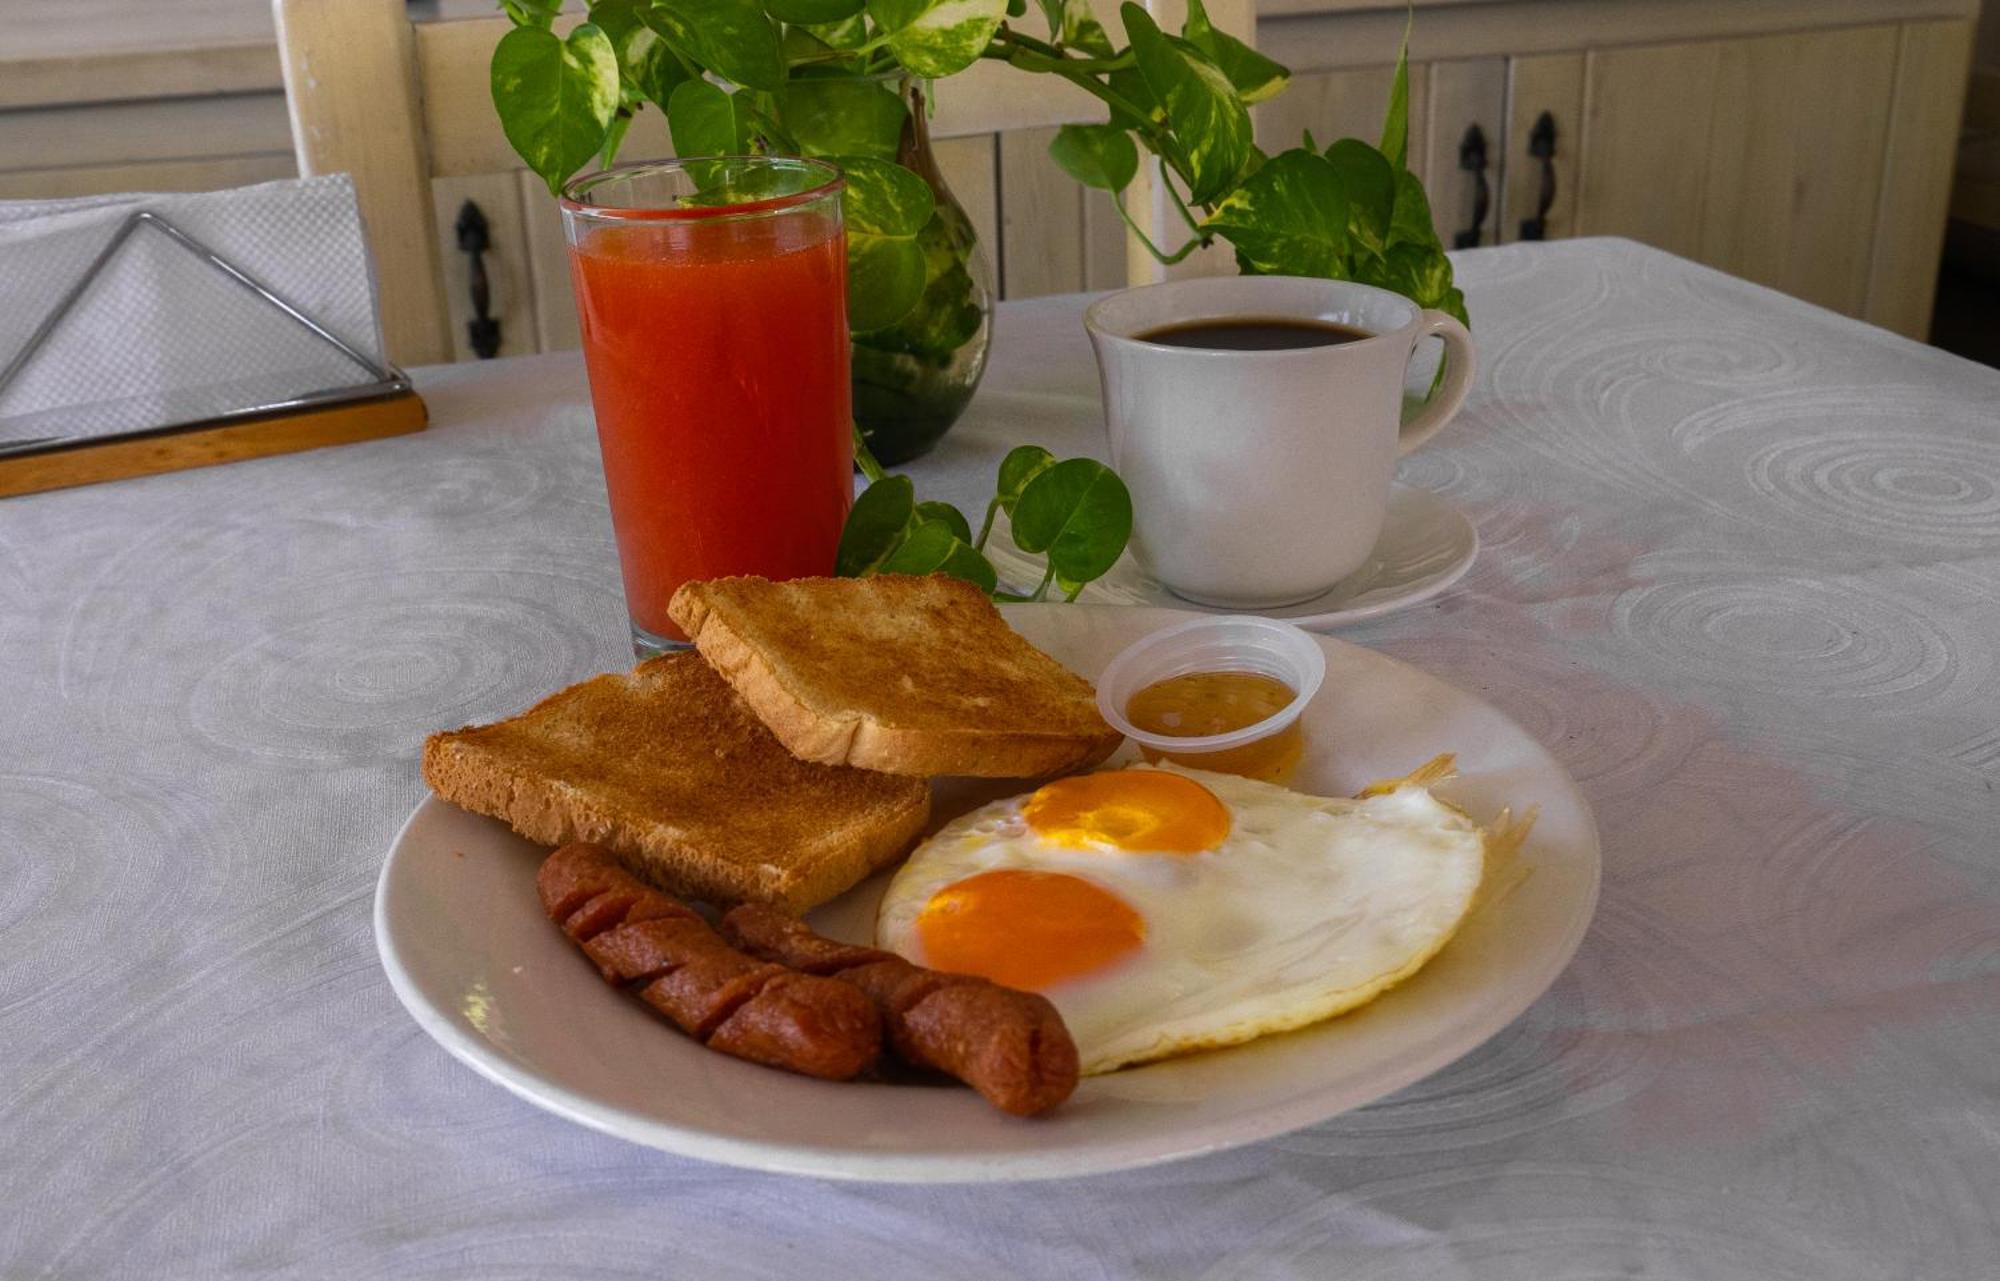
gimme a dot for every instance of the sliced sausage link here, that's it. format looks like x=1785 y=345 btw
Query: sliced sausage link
x=642 y=951
x=731 y=1001
x=601 y=913
x=699 y=994
x=809 y=1024
x=1010 y=1046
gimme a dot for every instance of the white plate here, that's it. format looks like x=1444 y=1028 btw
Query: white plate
x=1426 y=545
x=466 y=947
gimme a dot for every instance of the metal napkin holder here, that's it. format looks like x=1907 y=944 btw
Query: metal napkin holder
x=387 y=381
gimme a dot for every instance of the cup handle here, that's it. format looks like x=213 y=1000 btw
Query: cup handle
x=1459 y=365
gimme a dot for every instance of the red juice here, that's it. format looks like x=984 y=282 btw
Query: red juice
x=716 y=343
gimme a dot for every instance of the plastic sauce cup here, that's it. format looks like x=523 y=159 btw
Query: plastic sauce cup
x=1234 y=643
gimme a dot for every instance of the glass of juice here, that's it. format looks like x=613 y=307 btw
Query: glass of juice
x=712 y=294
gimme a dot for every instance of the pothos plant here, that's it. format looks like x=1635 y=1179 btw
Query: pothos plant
x=812 y=77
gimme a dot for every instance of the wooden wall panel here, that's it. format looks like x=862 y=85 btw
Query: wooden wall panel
x=1647 y=118
x=128 y=132
x=1041 y=219
x=1104 y=243
x=1931 y=63
x=1551 y=83
x=210 y=173
x=1343 y=104
x=548 y=266
x=1795 y=161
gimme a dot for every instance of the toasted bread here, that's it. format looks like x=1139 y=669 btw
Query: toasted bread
x=906 y=675
x=666 y=767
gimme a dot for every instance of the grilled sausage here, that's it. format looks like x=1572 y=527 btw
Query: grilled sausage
x=1010 y=1046
x=640 y=937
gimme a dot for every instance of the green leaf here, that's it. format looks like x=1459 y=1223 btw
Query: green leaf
x=809 y=11
x=885 y=207
x=1210 y=126
x=555 y=97
x=1288 y=218
x=1129 y=83
x=947 y=316
x=732 y=38
x=933 y=547
x=1396 y=125
x=937 y=37
x=844 y=117
x=706 y=120
x=1369 y=182
x=947 y=515
x=884 y=199
x=1410 y=222
x=1101 y=156
x=534 y=13
x=1420 y=273
x=650 y=69
x=1017 y=8
x=1255 y=76
x=1022 y=464
x=966 y=562
x=885 y=279
x=1080 y=514
x=1072 y=24
x=849 y=33
x=875 y=526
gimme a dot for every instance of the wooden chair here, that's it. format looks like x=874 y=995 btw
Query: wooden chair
x=396 y=104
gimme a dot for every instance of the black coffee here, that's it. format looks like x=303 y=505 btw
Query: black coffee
x=1254 y=333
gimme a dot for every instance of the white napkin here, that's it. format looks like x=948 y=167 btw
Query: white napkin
x=162 y=337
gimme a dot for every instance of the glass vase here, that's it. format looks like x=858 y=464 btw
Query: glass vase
x=914 y=378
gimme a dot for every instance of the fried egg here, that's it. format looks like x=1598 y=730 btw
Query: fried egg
x=1165 y=910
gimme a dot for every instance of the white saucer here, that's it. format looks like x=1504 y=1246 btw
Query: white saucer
x=1426 y=545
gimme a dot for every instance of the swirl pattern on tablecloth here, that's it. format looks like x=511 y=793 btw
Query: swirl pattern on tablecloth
x=1823 y=638
x=374 y=677
x=1906 y=486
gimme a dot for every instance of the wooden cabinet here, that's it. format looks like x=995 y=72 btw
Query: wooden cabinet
x=1762 y=157
x=1790 y=159
x=1804 y=144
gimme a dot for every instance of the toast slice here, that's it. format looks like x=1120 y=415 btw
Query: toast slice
x=669 y=769
x=907 y=675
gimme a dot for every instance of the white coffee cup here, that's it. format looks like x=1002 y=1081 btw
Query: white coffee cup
x=1261 y=478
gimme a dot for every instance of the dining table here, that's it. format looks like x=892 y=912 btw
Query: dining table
x=1739 y=571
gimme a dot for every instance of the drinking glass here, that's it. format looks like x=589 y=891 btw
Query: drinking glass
x=712 y=294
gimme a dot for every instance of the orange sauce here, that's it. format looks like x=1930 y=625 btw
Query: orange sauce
x=1202 y=703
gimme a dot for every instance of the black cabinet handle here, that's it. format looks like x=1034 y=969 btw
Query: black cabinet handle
x=1472 y=158
x=1542 y=146
x=474 y=239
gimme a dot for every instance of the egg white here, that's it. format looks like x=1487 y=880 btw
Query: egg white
x=1311 y=907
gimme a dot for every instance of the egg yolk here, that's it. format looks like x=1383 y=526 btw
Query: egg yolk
x=1129 y=809
x=1027 y=930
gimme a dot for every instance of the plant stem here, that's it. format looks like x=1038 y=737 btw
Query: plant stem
x=1042 y=588
x=861 y=50
x=1166 y=180
x=1164 y=258
x=992 y=508
x=865 y=460
x=1030 y=54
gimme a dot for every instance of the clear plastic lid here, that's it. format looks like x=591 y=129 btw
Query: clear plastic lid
x=1233 y=643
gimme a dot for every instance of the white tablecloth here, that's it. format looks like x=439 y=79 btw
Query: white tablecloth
x=1741 y=573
